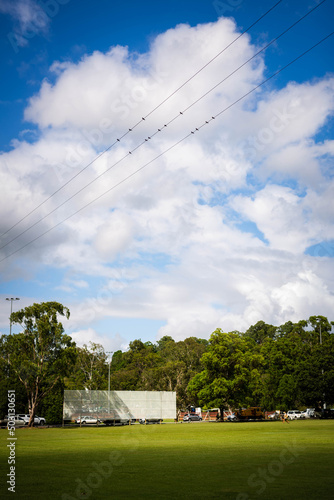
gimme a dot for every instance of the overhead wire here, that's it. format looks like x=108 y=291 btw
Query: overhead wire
x=181 y=113
x=190 y=134
x=118 y=140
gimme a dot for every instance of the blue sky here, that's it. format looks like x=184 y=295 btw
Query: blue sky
x=233 y=225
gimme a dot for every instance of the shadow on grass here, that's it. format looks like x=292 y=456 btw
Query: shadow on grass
x=176 y=461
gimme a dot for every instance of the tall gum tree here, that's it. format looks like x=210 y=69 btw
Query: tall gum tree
x=42 y=354
x=90 y=371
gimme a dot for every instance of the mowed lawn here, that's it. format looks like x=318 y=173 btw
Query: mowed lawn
x=267 y=460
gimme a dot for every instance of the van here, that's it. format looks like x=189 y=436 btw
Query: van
x=295 y=414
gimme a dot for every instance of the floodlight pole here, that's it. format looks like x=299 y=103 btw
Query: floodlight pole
x=11 y=311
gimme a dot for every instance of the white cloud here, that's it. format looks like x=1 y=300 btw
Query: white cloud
x=115 y=87
x=114 y=236
x=72 y=285
x=173 y=243
x=306 y=293
x=278 y=213
x=289 y=221
x=113 y=344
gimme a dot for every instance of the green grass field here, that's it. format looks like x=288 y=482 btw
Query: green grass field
x=269 y=460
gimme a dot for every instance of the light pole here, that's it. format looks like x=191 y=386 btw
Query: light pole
x=11 y=310
x=110 y=358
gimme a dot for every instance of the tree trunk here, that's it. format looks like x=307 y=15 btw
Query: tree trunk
x=32 y=411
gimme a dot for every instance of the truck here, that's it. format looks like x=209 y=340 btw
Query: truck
x=252 y=413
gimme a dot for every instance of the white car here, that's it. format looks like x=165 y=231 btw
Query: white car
x=150 y=420
x=295 y=414
x=189 y=417
x=231 y=418
x=310 y=413
x=87 y=420
x=26 y=418
x=14 y=421
x=274 y=415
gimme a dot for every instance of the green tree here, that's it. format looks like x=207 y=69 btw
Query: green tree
x=51 y=406
x=166 y=366
x=42 y=354
x=117 y=361
x=260 y=332
x=9 y=381
x=299 y=370
x=180 y=362
x=90 y=370
x=321 y=325
x=134 y=367
x=232 y=370
x=164 y=341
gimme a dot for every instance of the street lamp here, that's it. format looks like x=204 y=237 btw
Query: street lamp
x=11 y=310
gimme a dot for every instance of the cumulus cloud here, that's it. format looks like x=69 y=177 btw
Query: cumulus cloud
x=120 y=87
x=111 y=344
x=213 y=232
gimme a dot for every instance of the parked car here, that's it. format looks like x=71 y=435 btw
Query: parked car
x=26 y=418
x=191 y=417
x=310 y=413
x=118 y=421
x=16 y=421
x=327 y=413
x=295 y=414
x=276 y=415
x=87 y=420
x=150 y=420
x=231 y=418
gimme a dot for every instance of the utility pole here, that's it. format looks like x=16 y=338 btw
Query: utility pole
x=11 y=310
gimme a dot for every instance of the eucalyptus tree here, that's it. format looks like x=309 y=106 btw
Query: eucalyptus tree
x=91 y=370
x=42 y=354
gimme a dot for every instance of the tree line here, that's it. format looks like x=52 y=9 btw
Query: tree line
x=276 y=367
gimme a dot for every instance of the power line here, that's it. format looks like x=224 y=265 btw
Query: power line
x=142 y=119
x=162 y=128
x=211 y=60
x=197 y=129
x=248 y=60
